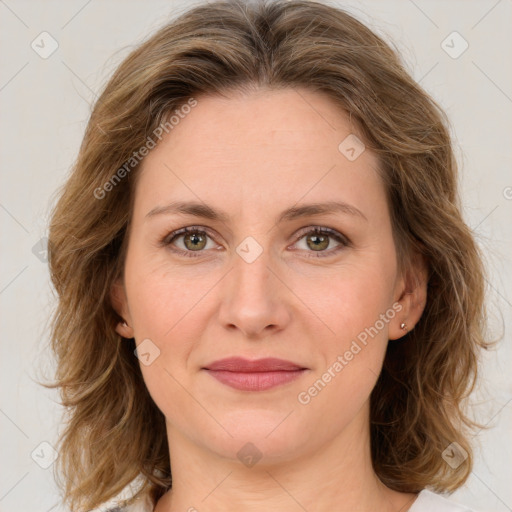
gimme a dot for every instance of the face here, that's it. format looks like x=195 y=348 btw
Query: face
x=320 y=290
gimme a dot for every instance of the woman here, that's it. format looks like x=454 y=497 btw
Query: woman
x=268 y=299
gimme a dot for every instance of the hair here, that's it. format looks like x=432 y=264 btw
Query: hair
x=417 y=407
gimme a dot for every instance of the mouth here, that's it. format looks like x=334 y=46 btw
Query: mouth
x=257 y=375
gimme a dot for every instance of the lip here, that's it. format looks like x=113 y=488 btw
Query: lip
x=239 y=364
x=257 y=375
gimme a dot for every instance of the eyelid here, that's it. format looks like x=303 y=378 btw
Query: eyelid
x=343 y=241
x=187 y=229
x=334 y=233
x=166 y=241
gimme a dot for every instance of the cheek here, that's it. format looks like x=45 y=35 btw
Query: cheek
x=164 y=305
x=168 y=307
x=358 y=311
x=163 y=295
x=357 y=308
x=349 y=299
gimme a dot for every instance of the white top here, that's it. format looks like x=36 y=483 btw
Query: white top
x=426 y=501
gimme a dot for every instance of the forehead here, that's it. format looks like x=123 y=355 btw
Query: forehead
x=266 y=147
x=284 y=120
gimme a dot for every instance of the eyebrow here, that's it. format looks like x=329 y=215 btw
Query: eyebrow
x=205 y=211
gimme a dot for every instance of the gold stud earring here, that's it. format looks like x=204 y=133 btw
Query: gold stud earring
x=403 y=326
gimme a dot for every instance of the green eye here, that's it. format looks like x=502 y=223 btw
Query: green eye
x=318 y=240
x=195 y=241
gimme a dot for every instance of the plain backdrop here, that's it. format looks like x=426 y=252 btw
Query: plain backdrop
x=45 y=103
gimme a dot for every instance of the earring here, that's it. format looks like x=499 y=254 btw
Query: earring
x=403 y=326
x=125 y=324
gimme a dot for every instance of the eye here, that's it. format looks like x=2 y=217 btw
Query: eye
x=318 y=239
x=194 y=240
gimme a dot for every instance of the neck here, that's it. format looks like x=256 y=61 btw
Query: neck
x=337 y=476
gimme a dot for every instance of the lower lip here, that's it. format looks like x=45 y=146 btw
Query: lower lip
x=255 y=381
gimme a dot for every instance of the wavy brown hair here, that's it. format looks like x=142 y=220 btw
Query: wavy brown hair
x=115 y=432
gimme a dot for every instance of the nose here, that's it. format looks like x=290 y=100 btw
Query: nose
x=255 y=300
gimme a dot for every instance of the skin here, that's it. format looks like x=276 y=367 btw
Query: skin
x=253 y=155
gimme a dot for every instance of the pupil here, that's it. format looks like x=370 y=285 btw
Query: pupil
x=318 y=241
x=195 y=240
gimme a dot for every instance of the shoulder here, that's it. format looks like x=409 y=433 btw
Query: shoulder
x=428 y=501
x=139 y=505
x=130 y=508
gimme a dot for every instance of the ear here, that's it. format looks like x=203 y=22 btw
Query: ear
x=411 y=295
x=120 y=304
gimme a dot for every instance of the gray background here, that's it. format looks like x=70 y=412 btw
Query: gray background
x=45 y=104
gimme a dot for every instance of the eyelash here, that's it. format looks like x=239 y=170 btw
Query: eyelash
x=315 y=230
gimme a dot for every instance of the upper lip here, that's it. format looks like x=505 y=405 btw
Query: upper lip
x=239 y=364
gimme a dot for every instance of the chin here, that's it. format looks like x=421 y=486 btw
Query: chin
x=270 y=436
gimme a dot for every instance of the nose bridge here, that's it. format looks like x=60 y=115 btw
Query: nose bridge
x=252 y=271
x=251 y=276
x=253 y=297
